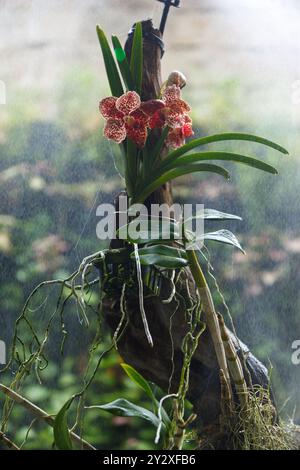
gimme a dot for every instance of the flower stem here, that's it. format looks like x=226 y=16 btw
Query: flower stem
x=209 y=311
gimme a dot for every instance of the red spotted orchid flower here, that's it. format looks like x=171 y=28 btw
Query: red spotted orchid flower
x=128 y=116
x=175 y=115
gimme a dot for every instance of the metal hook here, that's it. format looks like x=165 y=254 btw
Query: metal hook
x=168 y=4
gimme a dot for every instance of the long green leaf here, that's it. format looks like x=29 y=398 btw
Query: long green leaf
x=163 y=256
x=213 y=214
x=157 y=229
x=222 y=236
x=123 y=63
x=136 y=59
x=163 y=250
x=144 y=384
x=169 y=262
x=144 y=191
x=153 y=157
x=131 y=166
x=136 y=377
x=224 y=156
x=110 y=65
x=122 y=407
x=60 y=428
x=223 y=137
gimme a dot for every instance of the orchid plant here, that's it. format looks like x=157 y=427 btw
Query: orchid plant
x=131 y=123
x=152 y=136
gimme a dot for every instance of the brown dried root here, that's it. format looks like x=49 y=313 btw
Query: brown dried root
x=253 y=428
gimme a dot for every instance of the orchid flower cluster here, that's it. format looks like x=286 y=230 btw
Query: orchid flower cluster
x=129 y=117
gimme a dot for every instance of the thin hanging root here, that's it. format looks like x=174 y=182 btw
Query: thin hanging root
x=181 y=426
x=172 y=346
x=189 y=346
x=41 y=414
x=28 y=432
x=123 y=316
x=234 y=365
x=86 y=263
x=141 y=294
x=159 y=414
x=173 y=291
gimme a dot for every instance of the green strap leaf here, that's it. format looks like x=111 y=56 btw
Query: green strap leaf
x=123 y=63
x=224 y=156
x=137 y=378
x=61 y=431
x=212 y=214
x=222 y=236
x=150 y=230
x=223 y=137
x=153 y=157
x=136 y=60
x=169 y=262
x=110 y=65
x=122 y=407
x=144 y=384
x=163 y=256
x=131 y=166
x=162 y=250
x=144 y=189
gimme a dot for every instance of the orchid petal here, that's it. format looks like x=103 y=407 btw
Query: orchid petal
x=115 y=130
x=128 y=102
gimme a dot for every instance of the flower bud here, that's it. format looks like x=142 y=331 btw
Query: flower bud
x=176 y=78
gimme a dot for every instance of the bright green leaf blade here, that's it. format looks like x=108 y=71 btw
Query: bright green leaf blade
x=163 y=261
x=149 y=230
x=163 y=250
x=123 y=63
x=136 y=59
x=147 y=189
x=223 y=137
x=136 y=377
x=212 y=214
x=110 y=65
x=61 y=431
x=123 y=407
x=153 y=156
x=144 y=384
x=223 y=156
x=131 y=166
x=222 y=236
